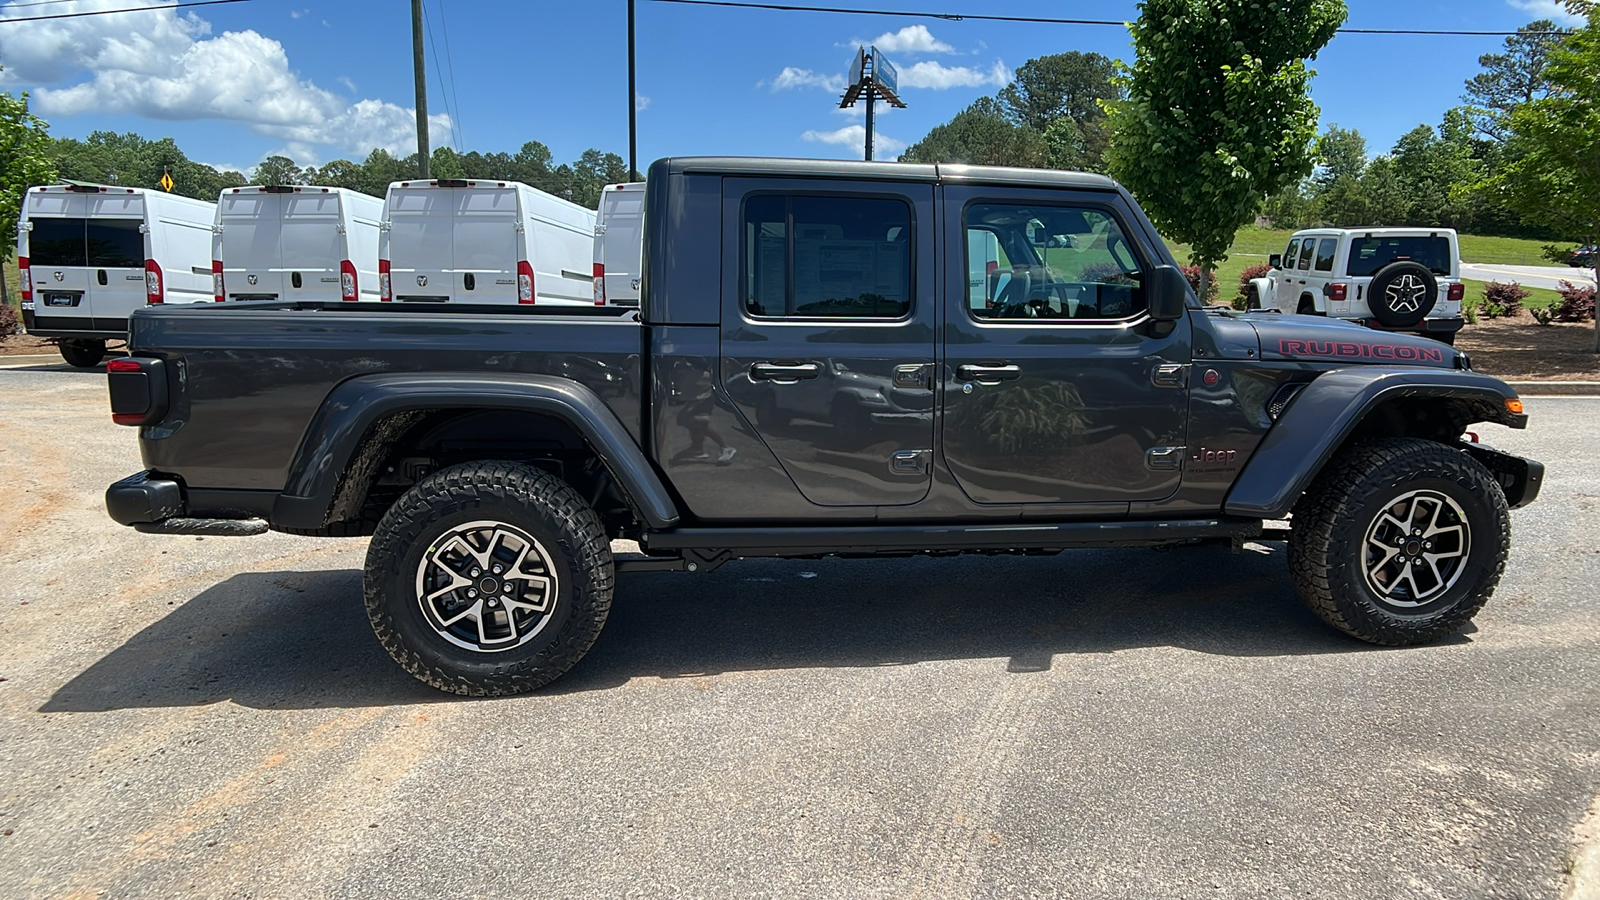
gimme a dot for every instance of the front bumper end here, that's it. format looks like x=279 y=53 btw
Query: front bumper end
x=1520 y=478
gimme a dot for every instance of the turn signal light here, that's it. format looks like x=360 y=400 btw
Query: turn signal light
x=1338 y=292
x=385 y=289
x=1514 y=406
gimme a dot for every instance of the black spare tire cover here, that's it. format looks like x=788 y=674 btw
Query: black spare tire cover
x=1402 y=293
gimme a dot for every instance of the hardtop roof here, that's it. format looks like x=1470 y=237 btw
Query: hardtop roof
x=886 y=171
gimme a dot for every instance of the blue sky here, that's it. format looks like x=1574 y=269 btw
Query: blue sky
x=319 y=81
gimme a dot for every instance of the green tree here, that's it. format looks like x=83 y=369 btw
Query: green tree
x=339 y=173
x=105 y=157
x=1341 y=153
x=278 y=170
x=380 y=168
x=981 y=134
x=1511 y=78
x=1437 y=169
x=1068 y=86
x=1217 y=117
x=1552 y=174
x=24 y=162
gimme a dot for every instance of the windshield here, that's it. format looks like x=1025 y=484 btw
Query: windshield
x=1369 y=254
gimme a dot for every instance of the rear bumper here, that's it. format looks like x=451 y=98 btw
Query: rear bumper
x=144 y=497
x=74 y=326
x=155 y=504
x=1449 y=325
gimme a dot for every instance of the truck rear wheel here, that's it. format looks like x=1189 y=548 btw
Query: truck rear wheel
x=83 y=353
x=487 y=579
x=1400 y=541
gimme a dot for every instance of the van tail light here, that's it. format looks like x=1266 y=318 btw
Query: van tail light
x=348 y=289
x=26 y=276
x=525 y=282
x=384 y=292
x=599 y=284
x=1458 y=291
x=138 y=390
x=1338 y=293
x=154 y=290
x=216 y=281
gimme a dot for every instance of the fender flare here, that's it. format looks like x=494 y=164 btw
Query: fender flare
x=1325 y=413
x=1264 y=290
x=351 y=409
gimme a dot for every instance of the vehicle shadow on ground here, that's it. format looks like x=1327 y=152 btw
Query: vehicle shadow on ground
x=301 y=639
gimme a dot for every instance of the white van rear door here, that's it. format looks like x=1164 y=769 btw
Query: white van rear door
x=624 y=245
x=421 y=243
x=252 y=255
x=57 y=259
x=312 y=245
x=117 y=244
x=485 y=245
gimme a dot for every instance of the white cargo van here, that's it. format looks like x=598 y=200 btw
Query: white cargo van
x=91 y=254
x=618 y=244
x=484 y=242
x=295 y=243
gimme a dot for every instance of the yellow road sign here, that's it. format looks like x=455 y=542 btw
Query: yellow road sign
x=166 y=182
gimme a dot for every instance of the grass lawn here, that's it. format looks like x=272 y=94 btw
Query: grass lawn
x=1540 y=296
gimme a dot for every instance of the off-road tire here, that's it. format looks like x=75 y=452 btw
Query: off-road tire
x=1382 y=305
x=1328 y=546
x=82 y=353
x=525 y=498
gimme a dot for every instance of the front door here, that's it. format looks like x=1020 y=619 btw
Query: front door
x=1058 y=388
x=828 y=333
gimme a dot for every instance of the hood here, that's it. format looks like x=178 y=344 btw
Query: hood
x=1302 y=338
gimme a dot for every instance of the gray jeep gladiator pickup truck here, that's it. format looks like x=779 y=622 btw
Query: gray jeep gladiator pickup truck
x=861 y=359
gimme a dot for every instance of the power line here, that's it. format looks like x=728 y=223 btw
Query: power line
x=1044 y=20
x=461 y=132
x=107 y=12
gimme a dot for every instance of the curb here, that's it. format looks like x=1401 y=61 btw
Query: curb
x=1556 y=388
x=1583 y=878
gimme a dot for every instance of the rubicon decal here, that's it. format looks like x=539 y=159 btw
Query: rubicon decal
x=1361 y=350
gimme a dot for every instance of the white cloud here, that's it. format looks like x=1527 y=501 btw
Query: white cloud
x=170 y=68
x=929 y=74
x=855 y=136
x=640 y=103
x=910 y=39
x=792 y=77
x=297 y=13
x=1547 y=9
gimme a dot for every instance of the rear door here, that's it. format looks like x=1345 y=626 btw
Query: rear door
x=252 y=255
x=58 y=258
x=828 y=334
x=485 y=244
x=115 y=240
x=624 y=245
x=311 y=245
x=1059 y=390
x=421 y=242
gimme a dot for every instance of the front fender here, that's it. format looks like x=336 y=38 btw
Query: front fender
x=356 y=405
x=1325 y=413
x=1264 y=290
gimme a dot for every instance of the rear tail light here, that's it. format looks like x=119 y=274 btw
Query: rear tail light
x=154 y=290
x=1338 y=293
x=216 y=280
x=138 y=390
x=524 y=282
x=1457 y=292
x=599 y=284
x=26 y=277
x=347 y=281
x=384 y=292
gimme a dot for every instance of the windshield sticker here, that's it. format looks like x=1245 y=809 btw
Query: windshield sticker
x=1356 y=350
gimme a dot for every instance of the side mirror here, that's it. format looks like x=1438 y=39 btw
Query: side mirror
x=1166 y=292
x=1275 y=260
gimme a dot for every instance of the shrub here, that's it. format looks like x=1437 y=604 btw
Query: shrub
x=1576 y=305
x=1248 y=275
x=1503 y=300
x=1469 y=311
x=1544 y=315
x=1193 y=274
x=9 y=324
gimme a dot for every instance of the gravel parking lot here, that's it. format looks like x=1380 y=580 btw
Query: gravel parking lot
x=185 y=717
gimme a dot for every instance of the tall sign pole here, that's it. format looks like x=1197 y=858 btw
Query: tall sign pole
x=872 y=78
x=633 y=105
x=421 y=74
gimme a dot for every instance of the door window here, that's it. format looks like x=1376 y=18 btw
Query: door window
x=1325 y=250
x=826 y=257
x=1049 y=263
x=57 y=242
x=115 y=244
x=1306 y=249
x=1291 y=254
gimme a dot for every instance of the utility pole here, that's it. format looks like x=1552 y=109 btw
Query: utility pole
x=633 y=105
x=421 y=73
x=870 y=94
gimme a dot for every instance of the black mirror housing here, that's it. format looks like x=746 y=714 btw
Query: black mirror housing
x=1166 y=293
x=1275 y=260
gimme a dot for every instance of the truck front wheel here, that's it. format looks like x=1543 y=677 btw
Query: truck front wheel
x=1400 y=541
x=488 y=579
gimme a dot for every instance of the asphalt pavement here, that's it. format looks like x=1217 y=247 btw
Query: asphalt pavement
x=184 y=717
x=1549 y=277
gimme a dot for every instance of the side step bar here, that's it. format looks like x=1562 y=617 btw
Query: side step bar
x=204 y=527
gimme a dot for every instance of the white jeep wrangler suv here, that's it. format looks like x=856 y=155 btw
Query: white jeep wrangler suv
x=1394 y=279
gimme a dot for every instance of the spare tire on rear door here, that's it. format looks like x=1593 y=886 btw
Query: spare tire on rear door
x=1402 y=293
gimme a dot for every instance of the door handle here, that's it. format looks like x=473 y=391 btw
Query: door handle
x=782 y=373
x=989 y=373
